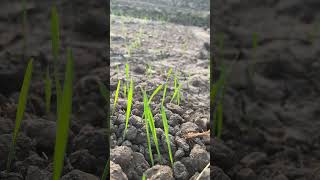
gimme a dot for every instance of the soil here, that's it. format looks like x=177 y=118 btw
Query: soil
x=163 y=45
x=271 y=120
x=83 y=28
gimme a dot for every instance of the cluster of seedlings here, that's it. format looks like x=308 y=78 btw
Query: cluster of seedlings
x=63 y=96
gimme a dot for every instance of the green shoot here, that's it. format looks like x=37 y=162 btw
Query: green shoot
x=166 y=86
x=144 y=177
x=103 y=91
x=155 y=92
x=124 y=90
x=20 y=111
x=145 y=102
x=116 y=97
x=166 y=131
x=105 y=171
x=176 y=94
x=55 y=38
x=149 y=117
x=129 y=104
x=48 y=88
x=65 y=110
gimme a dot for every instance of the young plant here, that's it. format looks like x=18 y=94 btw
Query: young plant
x=20 y=111
x=145 y=102
x=106 y=171
x=55 y=38
x=129 y=104
x=166 y=131
x=166 y=86
x=144 y=177
x=116 y=96
x=64 y=113
x=149 y=118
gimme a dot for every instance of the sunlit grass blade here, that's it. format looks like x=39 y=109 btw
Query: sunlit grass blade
x=20 y=111
x=166 y=131
x=103 y=91
x=63 y=119
x=129 y=103
x=116 y=96
x=106 y=171
x=124 y=90
x=145 y=104
x=48 y=89
x=144 y=177
x=166 y=86
x=154 y=93
x=175 y=94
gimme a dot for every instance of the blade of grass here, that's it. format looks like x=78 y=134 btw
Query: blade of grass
x=65 y=110
x=219 y=120
x=20 y=110
x=166 y=131
x=129 y=103
x=116 y=97
x=103 y=90
x=48 y=88
x=145 y=103
x=155 y=92
x=106 y=171
x=166 y=86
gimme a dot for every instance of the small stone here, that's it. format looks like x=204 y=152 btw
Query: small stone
x=121 y=155
x=179 y=154
x=200 y=156
x=182 y=143
x=79 y=175
x=116 y=172
x=180 y=171
x=159 y=172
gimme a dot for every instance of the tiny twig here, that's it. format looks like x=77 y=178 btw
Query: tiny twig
x=195 y=134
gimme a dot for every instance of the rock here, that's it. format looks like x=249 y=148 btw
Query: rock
x=141 y=137
x=315 y=175
x=254 y=159
x=175 y=109
x=116 y=172
x=35 y=160
x=131 y=133
x=43 y=131
x=223 y=157
x=139 y=69
x=91 y=113
x=182 y=143
x=180 y=171
x=120 y=120
x=174 y=120
x=189 y=127
x=189 y=164
x=280 y=177
x=159 y=172
x=202 y=123
x=121 y=155
x=34 y=173
x=10 y=176
x=79 y=175
x=23 y=146
x=179 y=154
x=7 y=126
x=137 y=166
x=205 y=175
x=246 y=174
x=200 y=156
x=136 y=121
x=94 y=140
x=218 y=174
x=83 y=161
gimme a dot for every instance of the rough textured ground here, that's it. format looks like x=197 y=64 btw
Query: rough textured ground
x=163 y=45
x=271 y=121
x=87 y=150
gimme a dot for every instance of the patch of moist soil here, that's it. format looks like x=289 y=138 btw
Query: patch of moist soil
x=163 y=45
x=87 y=150
x=271 y=120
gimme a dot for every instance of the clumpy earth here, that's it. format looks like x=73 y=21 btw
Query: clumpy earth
x=83 y=28
x=163 y=45
x=271 y=119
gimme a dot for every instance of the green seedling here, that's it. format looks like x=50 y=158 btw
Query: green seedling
x=155 y=92
x=48 y=88
x=144 y=177
x=103 y=91
x=64 y=113
x=105 y=171
x=129 y=104
x=166 y=131
x=55 y=38
x=20 y=111
x=145 y=102
x=149 y=118
x=166 y=86
x=116 y=97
